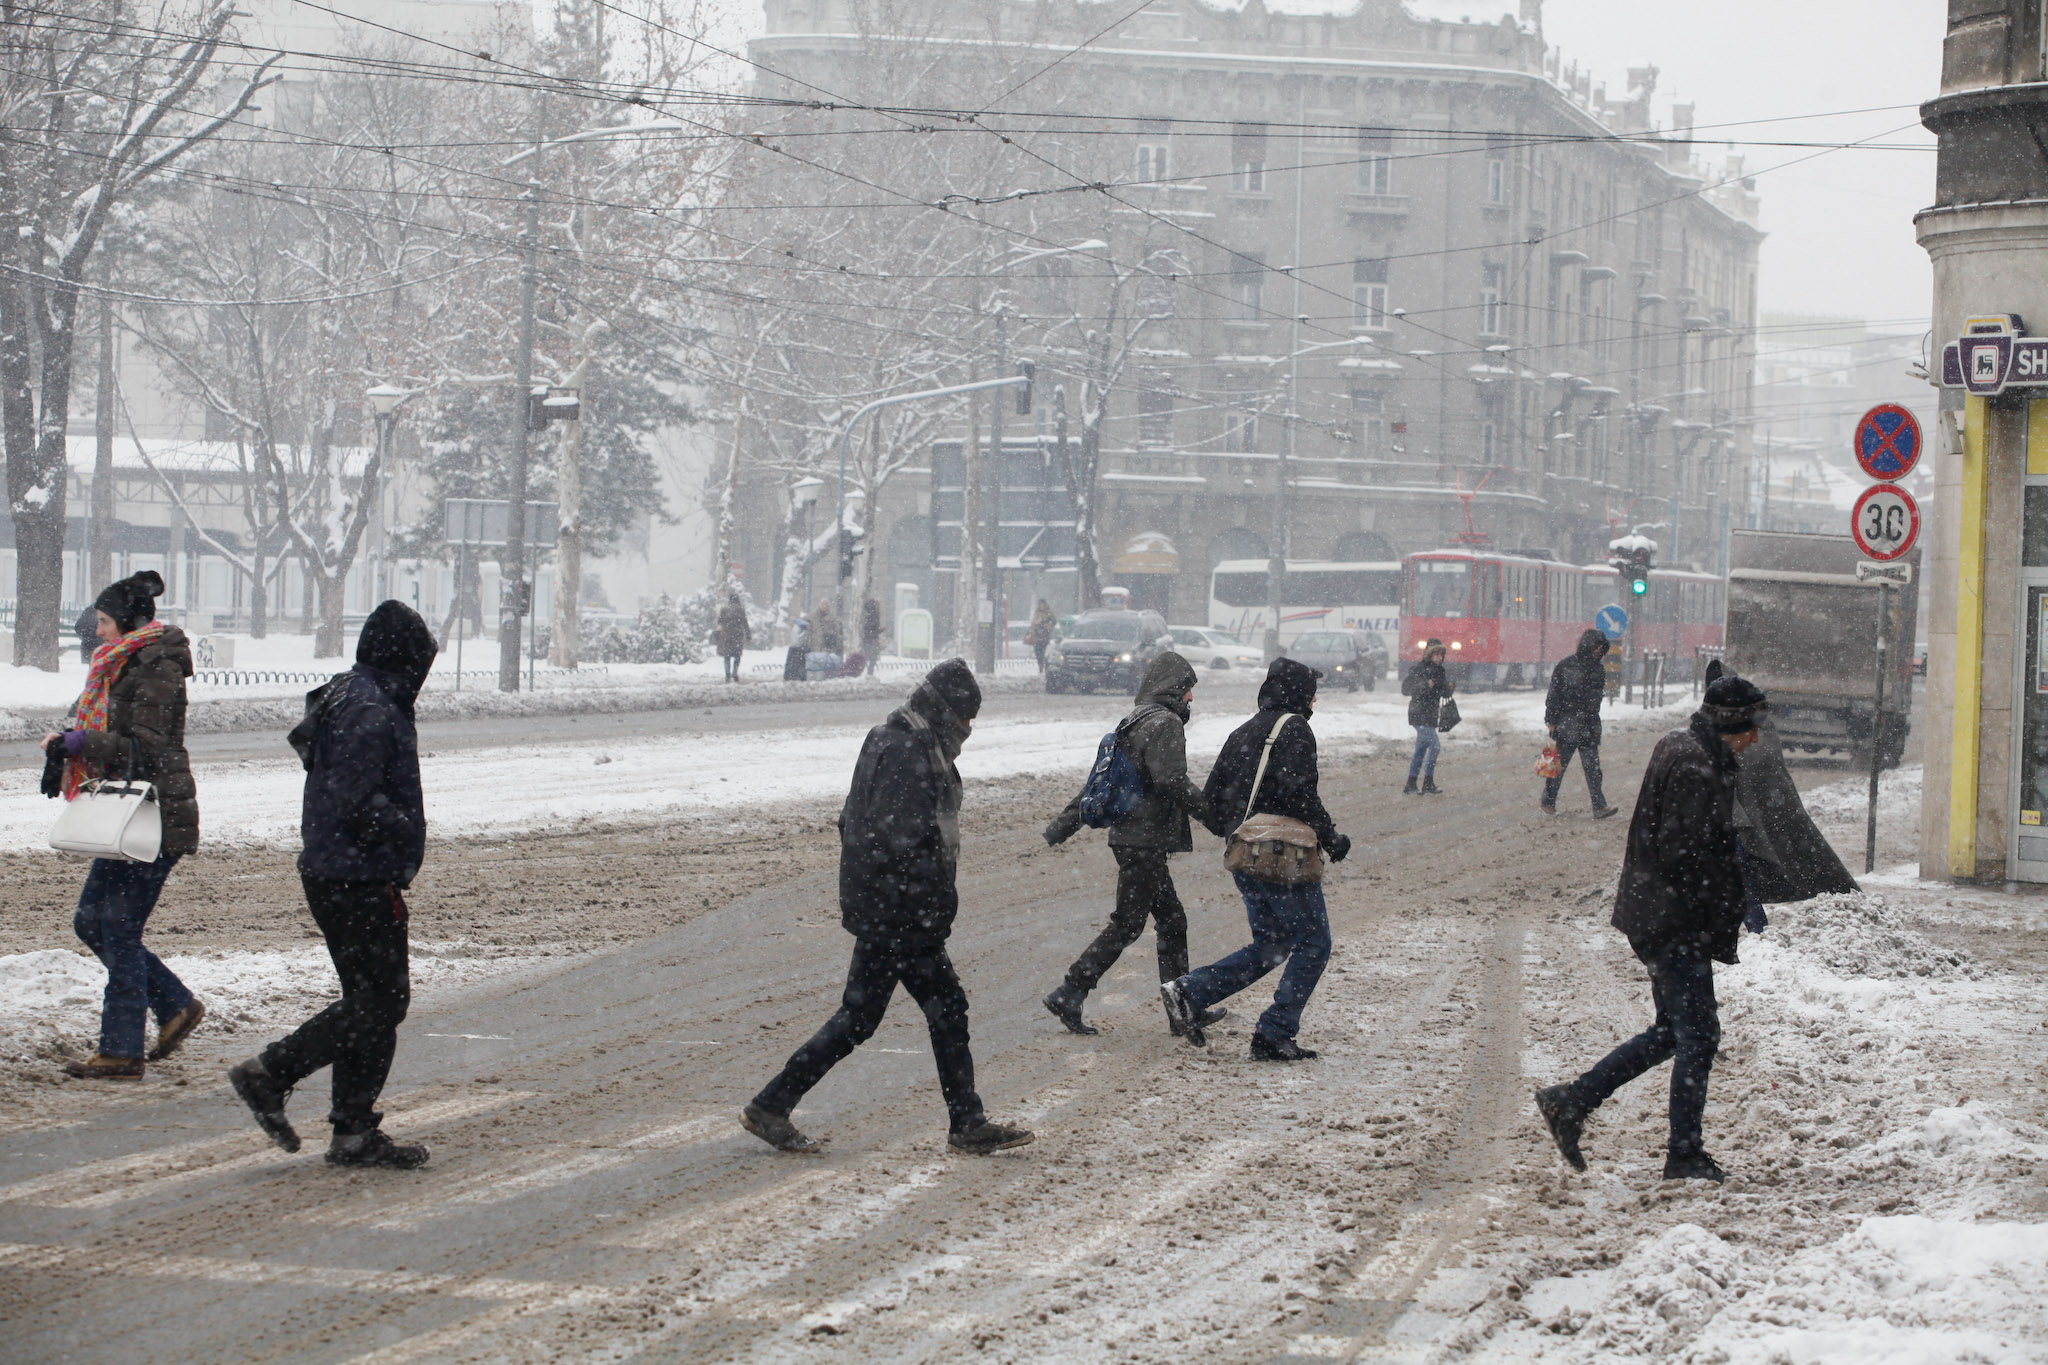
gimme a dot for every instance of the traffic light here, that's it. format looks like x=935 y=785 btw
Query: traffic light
x=1632 y=558
x=849 y=548
x=1030 y=372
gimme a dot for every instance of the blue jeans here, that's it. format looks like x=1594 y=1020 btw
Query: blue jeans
x=112 y=910
x=1428 y=744
x=1289 y=924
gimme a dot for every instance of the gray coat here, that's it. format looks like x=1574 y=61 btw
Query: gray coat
x=1155 y=736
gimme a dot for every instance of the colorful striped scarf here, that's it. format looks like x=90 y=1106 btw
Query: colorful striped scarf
x=91 y=710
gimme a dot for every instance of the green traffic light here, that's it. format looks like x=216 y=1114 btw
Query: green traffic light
x=1639 y=586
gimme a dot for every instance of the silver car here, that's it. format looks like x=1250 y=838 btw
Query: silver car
x=1207 y=648
x=1355 y=658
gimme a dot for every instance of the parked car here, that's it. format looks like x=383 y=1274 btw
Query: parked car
x=1207 y=648
x=1106 y=649
x=1355 y=658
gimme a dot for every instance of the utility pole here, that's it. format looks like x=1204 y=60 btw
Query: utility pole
x=513 y=580
x=1276 y=564
x=991 y=470
x=100 y=570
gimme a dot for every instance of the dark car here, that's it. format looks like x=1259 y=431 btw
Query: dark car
x=1355 y=658
x=1106 y=649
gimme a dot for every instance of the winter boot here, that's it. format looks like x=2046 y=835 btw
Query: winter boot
x=265 y=1098
x=1546 y=807
x=1429 y=787
x=170 y=1035
x=985 y=1137
x=777 y=1131
x=1065 y=1004
x=1266 y=1049
x=1566 y=1119
x=1215 y=1014
x=100 y=1067
x=1409 y=790
x=1604 y=811
x=1693 y=1166
x=374 y=1148
x=1181 y=1015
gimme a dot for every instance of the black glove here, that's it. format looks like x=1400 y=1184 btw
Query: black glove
x=1339 y=847
x=53 y=768
x=1065 y=825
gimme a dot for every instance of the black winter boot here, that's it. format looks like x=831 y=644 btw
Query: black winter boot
x=1566 y=1120
x=986 y=1137
x=1693 y=1166
x=375 y=1148
x=265 y=1098
x=1409 y=790
x=1266 y=1049
x=1181 y=1015
x=1429 y=787
x=777 y=1131
x=1065 y=1004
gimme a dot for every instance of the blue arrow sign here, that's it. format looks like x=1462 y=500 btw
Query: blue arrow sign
x=1611 y=622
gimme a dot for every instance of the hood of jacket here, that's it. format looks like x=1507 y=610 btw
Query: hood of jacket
x=1290 y=686
x=1166 y=683
x=174 y=645
x=931 y=706
x=1592 y=646
x=396 y=644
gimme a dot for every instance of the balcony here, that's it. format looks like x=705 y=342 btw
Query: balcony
x=1378 y=207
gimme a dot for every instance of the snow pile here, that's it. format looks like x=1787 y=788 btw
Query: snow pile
x=1863 y=935
x=1662 y=1295
x=1898 y=797
x=1972 y=1146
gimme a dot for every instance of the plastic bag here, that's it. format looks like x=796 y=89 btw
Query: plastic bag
x=1548 y=765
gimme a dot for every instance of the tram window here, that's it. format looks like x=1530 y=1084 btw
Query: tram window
x=1522 y=602
x=1439 y=587
x=1486 y=591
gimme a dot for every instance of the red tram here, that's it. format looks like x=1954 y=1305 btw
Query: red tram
x=1507 y=618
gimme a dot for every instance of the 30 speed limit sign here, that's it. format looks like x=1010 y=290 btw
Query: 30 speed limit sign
x=1886 y=521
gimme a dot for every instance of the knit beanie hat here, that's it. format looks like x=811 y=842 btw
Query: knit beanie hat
x=132 y=600
x=1731 y=704
x=954 y=681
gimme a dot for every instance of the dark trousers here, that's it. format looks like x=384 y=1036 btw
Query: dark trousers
x=926 y=972
x=1589 y=764
x=1290 y=924
x=364 y=924
x=113 y=909
x=1144 y=890
x=1687 y=1032
x=732 y=666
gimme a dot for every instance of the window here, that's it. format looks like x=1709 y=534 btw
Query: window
x=1151 y=161
x=1375 y=161
x=1368 y=422
x=1489 y=443
x=1241 y=424
x=1496 y=176
x=1492 y=284
x=1248 y=158
x=1439 y=587
x=1369 y=294
x=1155 y=417
x=1247 y=280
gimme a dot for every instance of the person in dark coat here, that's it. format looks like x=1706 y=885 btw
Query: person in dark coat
x=796 y=663
x=1155 y=736
x=899 y=851
x=131 y=715
x=1571 y=712
x=363 y=831
x=1289 y=924
x=730 y=635
x=827 y=637
x=1427 y=686
x=870 y=633
x=1681 y=905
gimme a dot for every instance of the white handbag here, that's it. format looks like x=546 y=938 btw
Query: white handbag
x=109 y=819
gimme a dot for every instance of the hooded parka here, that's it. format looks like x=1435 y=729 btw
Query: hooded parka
x=146 y=703
x=1155 y=736
x=730 y=636
x=1290 y=787
x=1681 y=877
x=1577 y=687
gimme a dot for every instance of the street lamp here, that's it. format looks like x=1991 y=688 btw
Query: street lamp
x=384 y=401
x=805 y=494
x=1276 y=561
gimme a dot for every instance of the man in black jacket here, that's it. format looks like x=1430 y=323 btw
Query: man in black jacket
x=1155 y=737
x=1427 y=686
x=363 y=828
x=1289 y=923
x=1571 y=712
x=1681 y=905
x=899 y=850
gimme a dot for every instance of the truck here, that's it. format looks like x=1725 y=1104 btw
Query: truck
x=1803 y=625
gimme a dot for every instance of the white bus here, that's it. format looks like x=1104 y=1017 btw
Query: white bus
x=1315 y=594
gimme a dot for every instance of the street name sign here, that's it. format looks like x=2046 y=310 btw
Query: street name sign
x=1888 y=442
x=1612 y=622
x=1885 y=522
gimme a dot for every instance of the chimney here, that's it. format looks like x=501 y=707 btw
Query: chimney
x=1532 y=16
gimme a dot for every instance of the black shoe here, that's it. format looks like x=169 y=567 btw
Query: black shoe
x=1065 y=1004
x=1693 y=1166
x=1266 y=1049
x=375 y=1148
x=1429 y=787
x=1215 y=1014
x=1565 y=1120
x=777 y=1131
x=1602 y=812
x=1546 y=808
x=265 y=1098
x=1409 y=790
x=986 y=1137
x=1180 y=1014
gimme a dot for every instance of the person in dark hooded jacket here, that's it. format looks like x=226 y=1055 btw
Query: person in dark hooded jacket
x=1155 y=736
x=1289 y=923
x=899 y=851
x=1681 y=905
x=1571 y=712
x=363 y=828
x=1427 y=686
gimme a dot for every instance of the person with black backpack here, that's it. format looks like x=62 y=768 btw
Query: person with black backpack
x=1147 y=822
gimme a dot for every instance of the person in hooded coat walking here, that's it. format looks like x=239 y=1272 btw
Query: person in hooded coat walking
x=1155 y=737
x=1681 y=904
x=132 y=711
x=730 y=635
x=363 y=828
x=899 y=852
x=1427 y=686
x=1289 y=924
x=1571 y=712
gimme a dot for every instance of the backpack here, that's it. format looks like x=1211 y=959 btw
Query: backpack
x=1115 y=785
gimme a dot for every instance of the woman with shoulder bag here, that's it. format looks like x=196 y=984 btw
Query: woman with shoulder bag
x=132 y=713
x=1266 y=779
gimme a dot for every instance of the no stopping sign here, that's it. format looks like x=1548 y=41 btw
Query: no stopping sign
x=1886 y=521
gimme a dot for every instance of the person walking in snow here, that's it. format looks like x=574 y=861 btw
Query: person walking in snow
x=1154 y=735
x=828 y=638
x=1571 y=712
x=730 y=635
x=796 y=663
x=1681 y=905
x=363 y=828
x=870 y=634
x=899 y=852
x=131 y=717
x=1427 y=686
x=1039 y=637
x=1289 y=922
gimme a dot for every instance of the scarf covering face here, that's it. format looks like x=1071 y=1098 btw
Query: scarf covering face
x=107 y=662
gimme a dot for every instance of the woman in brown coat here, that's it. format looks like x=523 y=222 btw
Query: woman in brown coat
x=133 y=711
x=730 y=635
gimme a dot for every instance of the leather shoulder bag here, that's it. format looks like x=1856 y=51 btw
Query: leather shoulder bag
x=1273 y=848
x=106 y=819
